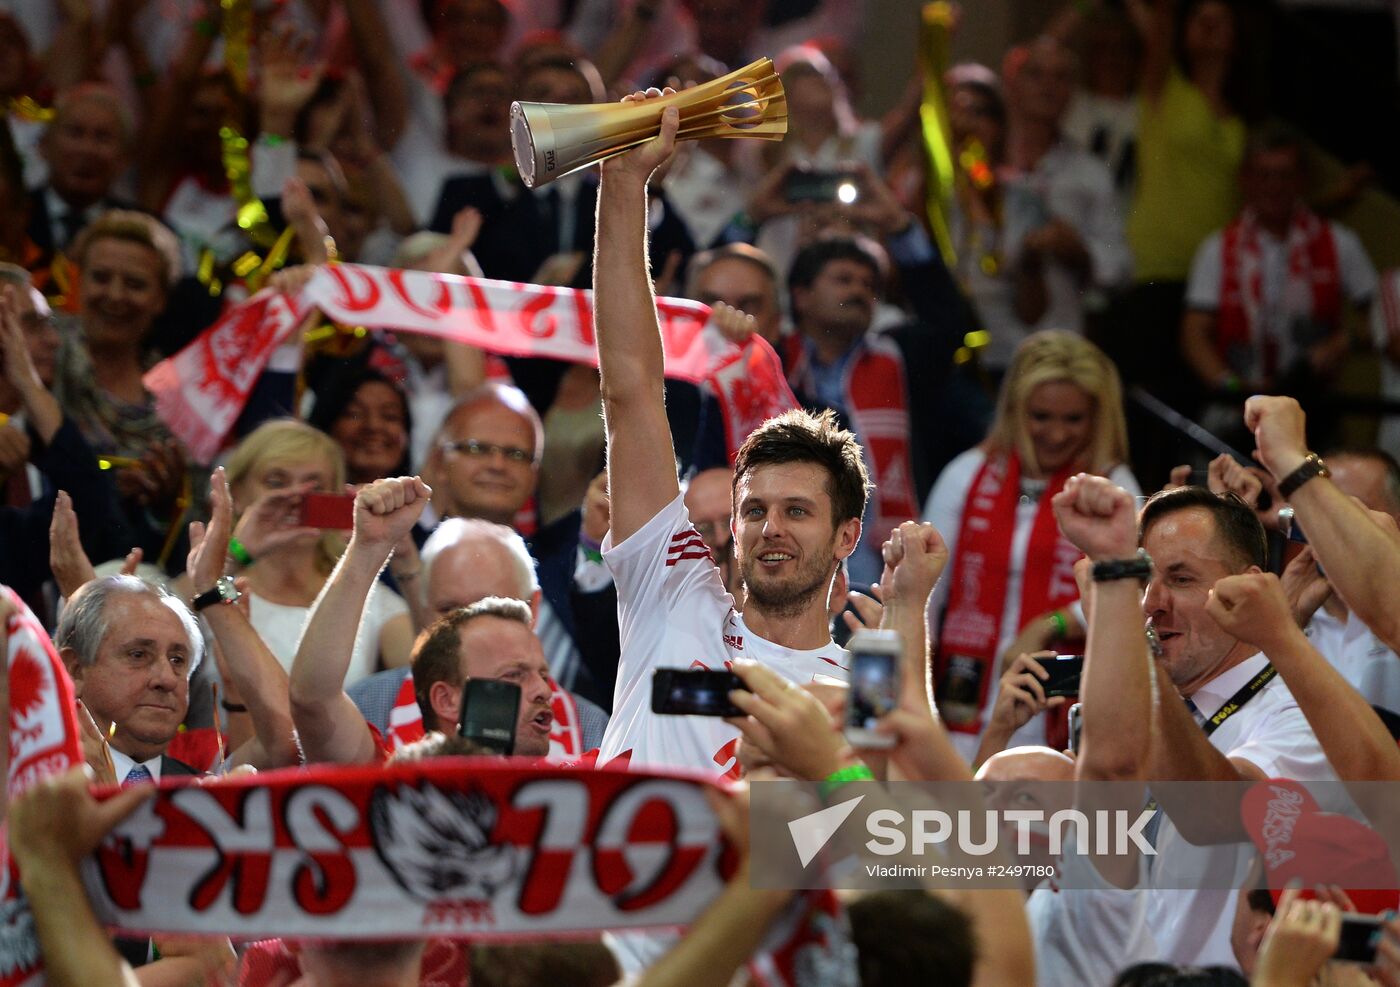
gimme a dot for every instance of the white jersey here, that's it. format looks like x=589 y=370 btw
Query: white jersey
x=673 y=612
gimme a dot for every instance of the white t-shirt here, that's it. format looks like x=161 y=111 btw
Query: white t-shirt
x=673 y=612
x=1363 y=659
x=1283 y=306
x=945 y=510
x=1085 y=934
x=1270 y=732
x=281 y=628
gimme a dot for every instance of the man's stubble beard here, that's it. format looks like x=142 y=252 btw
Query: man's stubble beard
x=788 y=600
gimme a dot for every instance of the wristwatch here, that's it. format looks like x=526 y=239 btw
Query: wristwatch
x=1137 y=567
x=1311 y=466
x=224 y=591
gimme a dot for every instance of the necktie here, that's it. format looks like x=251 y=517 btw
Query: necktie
x=136 y=776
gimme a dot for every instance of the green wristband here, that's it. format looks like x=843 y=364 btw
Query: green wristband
x=239 y=553
x=1057 y=620
x=842 y=776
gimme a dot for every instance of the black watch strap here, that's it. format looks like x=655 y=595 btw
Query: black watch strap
x=1137 y=567
x=224 y=591
x=1311 y=466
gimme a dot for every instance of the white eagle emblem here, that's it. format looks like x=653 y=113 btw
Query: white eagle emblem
x=438 y=844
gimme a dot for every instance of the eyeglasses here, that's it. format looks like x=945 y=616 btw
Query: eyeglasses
x=711 y=530
x=482 y=450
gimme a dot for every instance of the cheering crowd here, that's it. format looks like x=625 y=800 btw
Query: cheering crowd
x=301 y=547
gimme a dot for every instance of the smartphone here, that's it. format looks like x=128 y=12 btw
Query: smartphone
x=875 y=674
x=802 y=185
x=694 y=692
x=1361 y=934
x=1076 y=723
x=1065 y=671
x=328 y=511
x=1288 y=522
x=490 y=710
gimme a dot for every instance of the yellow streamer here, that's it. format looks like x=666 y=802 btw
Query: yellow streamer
x=935 y=35
x=26 y=108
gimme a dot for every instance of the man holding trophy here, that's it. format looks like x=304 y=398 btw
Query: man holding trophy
x=800 y=481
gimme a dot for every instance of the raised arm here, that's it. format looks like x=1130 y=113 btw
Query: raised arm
x=1116 y=687
x=1156 y=24
x=386 y=85
x=1253 y=608
x=329 y=724
x=641 y=458
x=1362 y=562
x=254 y=671
x=915 y=556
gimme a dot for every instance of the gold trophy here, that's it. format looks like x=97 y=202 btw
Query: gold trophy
x=554 y=139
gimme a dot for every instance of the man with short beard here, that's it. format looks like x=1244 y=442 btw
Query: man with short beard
x=798 y=495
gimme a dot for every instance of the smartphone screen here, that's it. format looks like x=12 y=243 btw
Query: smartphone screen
x=820 y=186
x=874 y=693
x=694 y=692
x=490 y=710
x=328 y=511
x=1065 y=671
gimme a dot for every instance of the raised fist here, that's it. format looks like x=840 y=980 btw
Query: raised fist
x=1098 y=517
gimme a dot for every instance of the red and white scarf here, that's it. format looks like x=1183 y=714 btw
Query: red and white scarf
x=481 y=848
x=1314 y=284
x=875 y=399
x=200 y=391
x=44 y=743
x=966 y=651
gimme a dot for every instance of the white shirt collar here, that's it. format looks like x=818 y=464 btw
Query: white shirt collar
x=124 y=764
x=1211 y=696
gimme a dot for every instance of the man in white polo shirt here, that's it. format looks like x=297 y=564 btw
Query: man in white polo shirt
x=1222 y=715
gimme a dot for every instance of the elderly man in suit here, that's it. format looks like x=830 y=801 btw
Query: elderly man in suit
x=131 y=649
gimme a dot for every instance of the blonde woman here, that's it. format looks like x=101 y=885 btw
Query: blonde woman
x=127 y=263
x=269 y=473
x=1009 y=588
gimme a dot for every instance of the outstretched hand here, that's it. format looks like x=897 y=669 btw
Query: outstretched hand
x=789 y=725
x=59 y=822
x=209 y=543
x=640 y=162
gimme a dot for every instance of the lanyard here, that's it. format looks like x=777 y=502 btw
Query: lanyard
x=1236 y=702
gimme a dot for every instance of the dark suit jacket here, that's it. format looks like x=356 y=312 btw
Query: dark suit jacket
x=41 y=222
x=171 y=768
x=68 y=463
